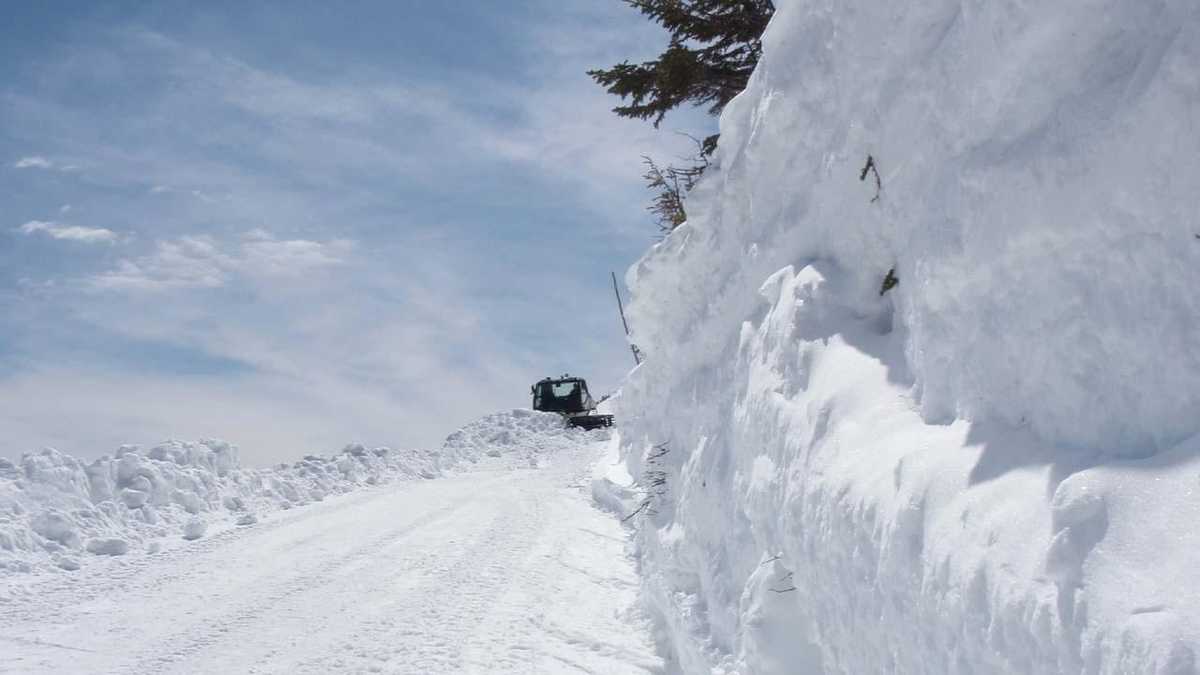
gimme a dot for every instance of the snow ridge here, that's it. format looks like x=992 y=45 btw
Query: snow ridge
x=57 y=510
x=992 y=466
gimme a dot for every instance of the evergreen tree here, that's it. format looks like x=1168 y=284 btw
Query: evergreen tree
x=714 y=47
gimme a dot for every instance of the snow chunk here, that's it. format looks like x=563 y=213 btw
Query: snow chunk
x=134 y=499
x=56 y=526
x=108 y=546
x=194 y=529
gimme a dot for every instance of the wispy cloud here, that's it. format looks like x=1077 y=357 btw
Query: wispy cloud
x=33 y=162
x=69 y=232
x=189 y=262
x=200 y=261
x=39 y=162
x=460 y=210
x=263 y=253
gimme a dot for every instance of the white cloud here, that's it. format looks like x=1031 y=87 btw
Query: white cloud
x=189 y=262
x=199 y=262
x=561 y=126
x=33 y=162
x=69 y=232
x=263 y=253
x=444 y=323
x=328 y=134
x=404 y=363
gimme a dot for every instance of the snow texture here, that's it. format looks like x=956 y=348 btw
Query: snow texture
x=57 y=511
x=501 y=568
x=991 y=467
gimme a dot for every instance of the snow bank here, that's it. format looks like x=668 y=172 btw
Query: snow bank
x=521 y=436
x=993 y=467
x=56 y=510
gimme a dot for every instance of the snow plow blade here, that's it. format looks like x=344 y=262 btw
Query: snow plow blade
x=590 y=422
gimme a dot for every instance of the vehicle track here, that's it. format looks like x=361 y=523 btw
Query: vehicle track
x=507 y=570
x=263 y=600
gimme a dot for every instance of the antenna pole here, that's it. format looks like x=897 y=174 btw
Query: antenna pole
x=637 y=359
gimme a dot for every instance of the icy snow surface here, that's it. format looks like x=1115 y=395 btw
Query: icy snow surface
x=503 y=565
x=993 y=467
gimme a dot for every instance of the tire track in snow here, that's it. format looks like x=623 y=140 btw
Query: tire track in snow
x=265 y=599
x=56 y=593
x=425 y=628
x=463 y=574
x=49 y=609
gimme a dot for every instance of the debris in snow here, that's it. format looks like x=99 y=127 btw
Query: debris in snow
x=247 y=519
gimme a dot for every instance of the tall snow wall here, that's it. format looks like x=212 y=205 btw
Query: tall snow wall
x=994 y=466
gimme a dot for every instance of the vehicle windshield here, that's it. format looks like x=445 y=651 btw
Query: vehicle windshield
x=563 y=389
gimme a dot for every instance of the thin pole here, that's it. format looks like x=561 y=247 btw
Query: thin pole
x=621 y=308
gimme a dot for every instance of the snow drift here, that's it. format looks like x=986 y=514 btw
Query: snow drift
x=992 y=466
x=56 y=510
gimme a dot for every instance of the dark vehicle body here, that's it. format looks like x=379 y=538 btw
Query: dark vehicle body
x=569 y=397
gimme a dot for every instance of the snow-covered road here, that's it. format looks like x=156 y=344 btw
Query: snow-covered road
x=495 y=570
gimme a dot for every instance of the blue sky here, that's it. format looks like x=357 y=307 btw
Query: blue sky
x=299 y=225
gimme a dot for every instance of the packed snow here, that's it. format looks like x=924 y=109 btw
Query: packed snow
x=994 y=465
x=502 y=564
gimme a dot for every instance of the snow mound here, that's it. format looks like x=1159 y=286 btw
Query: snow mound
x=56 y=510
x=519 y=437
x=991 y=466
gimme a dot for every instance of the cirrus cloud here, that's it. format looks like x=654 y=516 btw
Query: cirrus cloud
x=200 y=261
x=68 y=232
x=430 y=207
x=33 y=162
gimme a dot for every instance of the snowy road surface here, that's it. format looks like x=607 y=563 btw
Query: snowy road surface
x=495 y=570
